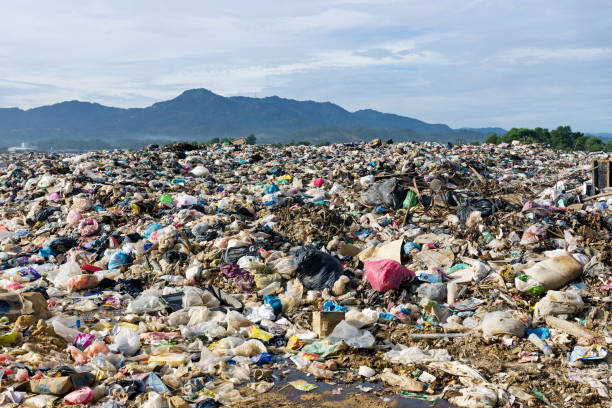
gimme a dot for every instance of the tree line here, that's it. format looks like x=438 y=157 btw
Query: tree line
x=562 y=138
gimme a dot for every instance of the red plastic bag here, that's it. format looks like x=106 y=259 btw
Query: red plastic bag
x=385 y=274
x=81 y=396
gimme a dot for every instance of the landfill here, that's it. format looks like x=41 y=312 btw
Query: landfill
x=364 y=274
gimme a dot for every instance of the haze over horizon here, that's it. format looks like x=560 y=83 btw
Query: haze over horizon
x=478 y=64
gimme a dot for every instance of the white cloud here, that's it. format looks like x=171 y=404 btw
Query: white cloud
x=539 y=55
x=470 y=64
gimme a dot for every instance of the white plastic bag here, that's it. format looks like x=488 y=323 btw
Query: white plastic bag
x=65 y=272
x=351 y=335
x=501 y=323
x=64 y=331
x=556 y=303
x=146 y=303
x=127 y=342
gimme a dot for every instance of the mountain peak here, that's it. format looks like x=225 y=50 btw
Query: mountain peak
x=200 y=114
x=197 y=93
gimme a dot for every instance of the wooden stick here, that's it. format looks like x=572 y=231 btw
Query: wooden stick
x=597 y=196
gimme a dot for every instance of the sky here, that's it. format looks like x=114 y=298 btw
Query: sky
x=469 y=63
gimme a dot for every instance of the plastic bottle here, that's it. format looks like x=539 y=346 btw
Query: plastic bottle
x=539 y=343
x=271 y=288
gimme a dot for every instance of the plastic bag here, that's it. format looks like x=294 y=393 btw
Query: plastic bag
x=556 y=303
x=88 y=226
x=73 y=217
x=82 y=282
x=97 y=347
x=403 y=382
x=482 y=205
x=528 y=285
x=351 y=335
x=197 y=315
x=361 y=319
x=286 y=267
x=200 y=171
x=533 y=234
x=146 y=303
x=475 y=396
x=66 y=271
x=385 y=274
x=317 y=270
x=249 y=348
x=251 y=264
x=501 y=323
x=127 y=342
x=389 y=193
x=81 y=396
x=155 y=401
x=414 y=355
x=556 y=272
x=64 y=331
x=118 y=259
x=192 y=297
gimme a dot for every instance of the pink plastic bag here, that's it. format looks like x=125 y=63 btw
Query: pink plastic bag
x=318 y=182
x=81 y=396
x=88 y=226
x=80 y=282
x=73 y=217
x=96 y=348
x=385 y=274
x=77 y=355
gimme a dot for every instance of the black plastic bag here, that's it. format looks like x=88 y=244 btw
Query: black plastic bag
x=388 y=193
x=132 y=287
x=63 y=244
x=232 y=255
x=483 y=205
x=207 y=403
x=316 y=269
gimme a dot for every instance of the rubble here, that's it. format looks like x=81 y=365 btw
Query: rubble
x=244 y=275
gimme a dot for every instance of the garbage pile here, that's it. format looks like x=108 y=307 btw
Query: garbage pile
x=191 y=276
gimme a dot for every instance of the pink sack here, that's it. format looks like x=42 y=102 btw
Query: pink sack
x=385 y=274
x=318 y=182
x=81 y=396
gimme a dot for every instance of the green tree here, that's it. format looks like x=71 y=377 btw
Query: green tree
x=475 y=143
x=214 y=140
x=594 y=144
x=251 y=139
x=493 y=139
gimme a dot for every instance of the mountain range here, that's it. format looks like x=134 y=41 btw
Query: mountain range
x=199 y=115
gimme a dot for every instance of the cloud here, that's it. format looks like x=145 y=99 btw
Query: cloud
x=539 y=55
x=480 y=63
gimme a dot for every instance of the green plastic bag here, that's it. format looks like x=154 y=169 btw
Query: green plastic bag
x=410 y=200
